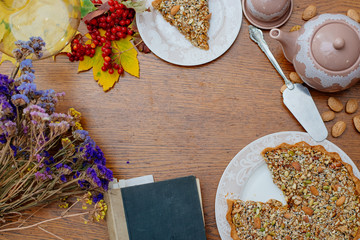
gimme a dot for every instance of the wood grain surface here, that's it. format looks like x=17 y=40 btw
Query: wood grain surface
x=175 y=121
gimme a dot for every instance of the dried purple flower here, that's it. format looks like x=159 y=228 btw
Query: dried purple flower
x=20 y=100
x=80 y=134
x=26 y=65
x=27 y=88
x=58 y=128
x=29 y=77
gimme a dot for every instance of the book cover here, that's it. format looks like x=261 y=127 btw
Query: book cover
x=166 y=210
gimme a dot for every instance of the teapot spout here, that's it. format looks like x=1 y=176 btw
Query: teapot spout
x=287 y=41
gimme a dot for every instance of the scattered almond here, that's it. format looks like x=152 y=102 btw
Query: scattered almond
x=320 y=169
x=340 y=201
x=156 y=3
x=282 y=89
x=335 y=104
x=343 y=228
x=295 y=28
x=328 y=116
x=296 y=165
x=257 y=223
x=338 y=129
x=356 y=121
x=351 y=106
x=268 y=237
x=307 y=210
x=174 y=9
x=208 y=16
x=287 y=215
x=314 y=191
x=353 y=14
x=287 y=238
x=295 y=78
x=309 y=12
x=336 y=187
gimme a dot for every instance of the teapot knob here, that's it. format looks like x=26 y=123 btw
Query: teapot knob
x=339 y=43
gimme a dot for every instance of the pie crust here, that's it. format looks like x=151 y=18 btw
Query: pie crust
x=321 y=191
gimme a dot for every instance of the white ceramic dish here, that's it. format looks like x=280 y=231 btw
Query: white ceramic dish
x=169 y=44
x=248 y=178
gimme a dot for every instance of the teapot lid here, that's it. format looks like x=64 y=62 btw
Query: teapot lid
x=336 y=46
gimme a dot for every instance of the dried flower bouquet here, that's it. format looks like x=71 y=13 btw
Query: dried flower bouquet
x=44 y=155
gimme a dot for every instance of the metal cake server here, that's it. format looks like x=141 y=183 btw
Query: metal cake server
x=296 y=97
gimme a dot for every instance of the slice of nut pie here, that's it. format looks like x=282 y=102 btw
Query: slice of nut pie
x=190 y=17
x=322 y=195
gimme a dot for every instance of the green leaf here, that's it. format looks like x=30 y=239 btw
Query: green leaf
x=137 y=5
x=86 y=7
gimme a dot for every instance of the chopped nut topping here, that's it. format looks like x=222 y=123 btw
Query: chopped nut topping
x=191 y=17
x=321 y=195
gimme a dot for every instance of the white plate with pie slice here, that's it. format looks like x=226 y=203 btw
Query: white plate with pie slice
x=169 y=44
x=247 y=177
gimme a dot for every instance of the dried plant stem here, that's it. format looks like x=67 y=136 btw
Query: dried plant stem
x=42 y=222
x=69 y=208
x=52 y=234
x=32 y=214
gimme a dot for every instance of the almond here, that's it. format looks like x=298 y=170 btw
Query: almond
x=309 y=12
x=268 y=237
x=343 y=228
x=156 y=3
x=295 y=78
x=338 y=129
x=306 y=219
x=335 y=104
x=208 y=16
x=257 y=223
x=328 y=116
x=340 y=201
x=356 y=121
x=351 y=13
x=314 y=191
x=320 y=169
x=336 y=187
x=287 y=215
x=287 y=238
x=282 y=89
x=174 y=9
x=296 y=165
x=307 y=210
x=351 y=106
x=295 y=28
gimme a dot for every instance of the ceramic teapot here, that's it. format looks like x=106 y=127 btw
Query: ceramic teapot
x=325 y=52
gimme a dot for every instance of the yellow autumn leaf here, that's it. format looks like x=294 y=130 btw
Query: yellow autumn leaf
x=128 y=59
x=2 y=31
x=5 y=57
x=104 y=79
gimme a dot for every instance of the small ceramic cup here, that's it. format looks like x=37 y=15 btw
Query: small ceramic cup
x=267 y=14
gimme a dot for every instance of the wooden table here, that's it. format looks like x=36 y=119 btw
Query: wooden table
x=176 y=121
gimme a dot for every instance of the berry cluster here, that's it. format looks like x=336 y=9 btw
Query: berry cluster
x=116 y=23
x=78 y=50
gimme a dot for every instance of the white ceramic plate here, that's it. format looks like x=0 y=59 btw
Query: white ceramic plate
x=248 y=178
x=169 y=44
